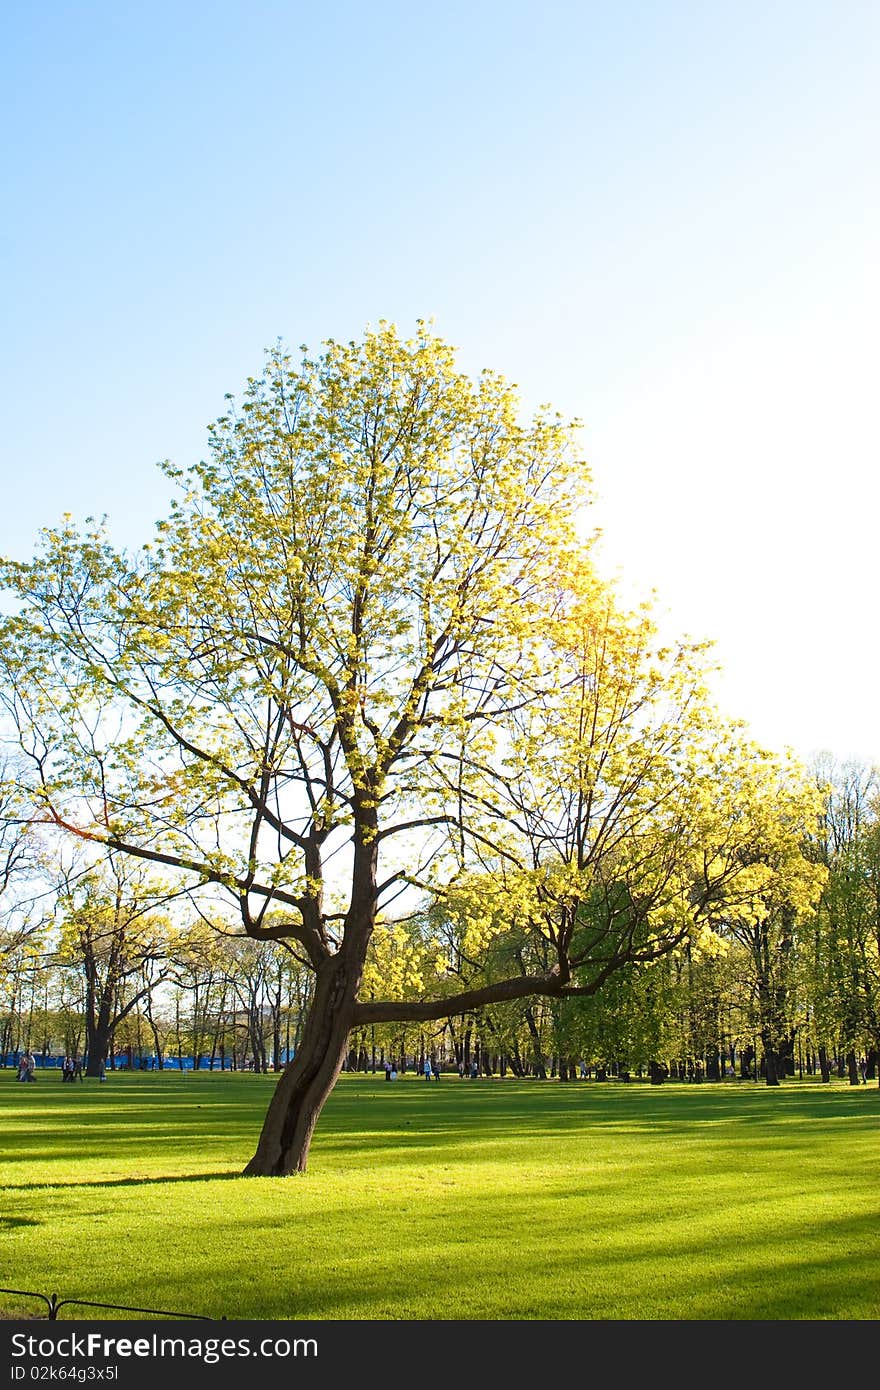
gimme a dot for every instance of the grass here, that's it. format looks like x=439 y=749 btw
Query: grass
x=490 y=1200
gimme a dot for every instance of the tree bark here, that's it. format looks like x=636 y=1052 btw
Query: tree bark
x=824 y=1064
x=97 y=1047
x=537 y=1054
x=99 y=1027
x=307 y=1081
x=771 y=1069
x=785 y=1055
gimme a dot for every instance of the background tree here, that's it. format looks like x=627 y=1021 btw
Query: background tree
x=25 y=913
x=845 y=974
x=113 y=934
x=22 y=980
x=776 y=889
x=199 y=972
x=24 y=901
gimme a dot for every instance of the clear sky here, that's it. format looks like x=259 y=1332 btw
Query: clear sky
x=663 y=218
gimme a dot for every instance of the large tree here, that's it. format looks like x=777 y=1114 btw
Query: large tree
x=345 y=674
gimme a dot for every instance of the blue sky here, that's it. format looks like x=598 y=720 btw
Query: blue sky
x=662 y=218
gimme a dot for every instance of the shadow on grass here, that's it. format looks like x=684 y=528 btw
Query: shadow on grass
x=82 y=1184
x=365 y=1118
x=803 y=1268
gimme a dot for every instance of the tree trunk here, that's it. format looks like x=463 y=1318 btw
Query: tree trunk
x=97 y=1047
x=824 y=1064
x=852 y=1066
x=99 y=1029
x=537 y=1054
x=157 y=1043
x=307 y=1081
x=771 y=1069
x=785 y=1055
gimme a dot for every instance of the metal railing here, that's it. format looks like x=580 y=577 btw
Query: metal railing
x=54 y=1303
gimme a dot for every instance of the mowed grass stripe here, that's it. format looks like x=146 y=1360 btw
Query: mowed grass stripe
x=488 y=1199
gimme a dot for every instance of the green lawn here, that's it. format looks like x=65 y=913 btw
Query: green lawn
x=488 y=1199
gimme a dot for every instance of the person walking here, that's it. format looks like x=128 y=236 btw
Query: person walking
x=435 y=1069
x=23 y=1067
x=426 y=1069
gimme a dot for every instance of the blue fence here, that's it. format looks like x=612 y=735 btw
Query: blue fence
x=148 y=1063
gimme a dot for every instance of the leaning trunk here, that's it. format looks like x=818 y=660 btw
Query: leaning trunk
x=307 y=1081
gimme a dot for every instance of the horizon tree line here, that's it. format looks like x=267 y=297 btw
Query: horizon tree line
x=114 y=978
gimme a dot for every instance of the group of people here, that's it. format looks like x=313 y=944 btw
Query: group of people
x=71 y=1068
x=27 y=1066
x=430 y=1069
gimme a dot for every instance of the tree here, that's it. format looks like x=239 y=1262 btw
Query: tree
x=22 y=887
x=365 y=659
x=114 y=936
x=846 y=956
x=199 y=958
x=777 y=888
x=24 y=911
